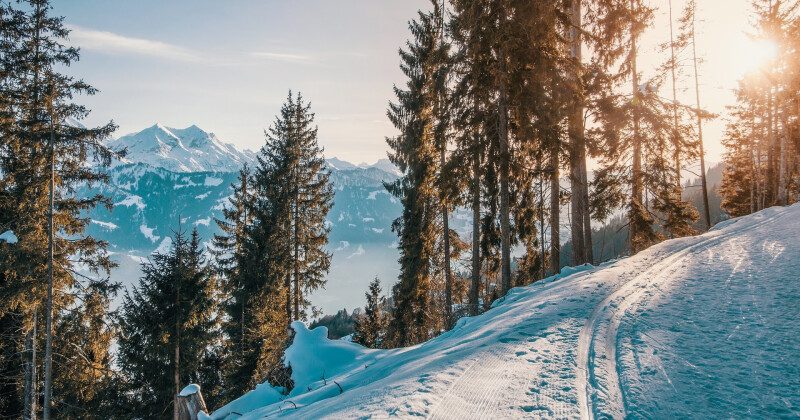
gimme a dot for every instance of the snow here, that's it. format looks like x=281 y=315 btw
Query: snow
x=105 y=225
x=374 y=194
x=213 y=181
x=9 y=237
x=182 y=150
x=360 y=251
x=164 y=246
x=342 y=245
x=700 y=327
x=148 y=233
x=367 y=219
x=205 y=222
x=132 y=200
x=376 y=230
x=202 y=196
x=189 y=390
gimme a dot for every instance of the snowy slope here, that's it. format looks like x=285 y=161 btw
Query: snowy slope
x=182 y=150
x=701 y=327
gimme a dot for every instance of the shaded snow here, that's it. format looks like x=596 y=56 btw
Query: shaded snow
x=148 y=233
x=164 y=247
x=132 y=200
x=212 y=181
x=105 y=225
x=9 y=237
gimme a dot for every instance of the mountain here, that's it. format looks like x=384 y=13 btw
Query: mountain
x=697 y=327
x=384 y=165
x=152 y=194
x=182 y=150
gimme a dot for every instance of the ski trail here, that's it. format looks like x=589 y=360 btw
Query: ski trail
x=599 y=383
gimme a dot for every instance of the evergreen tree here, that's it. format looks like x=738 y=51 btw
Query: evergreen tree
x=294 y=187
x=371 y=327
x=43 y=160
x=414 y=152
x=254 y=323
x=762 y=137
x=169 y=329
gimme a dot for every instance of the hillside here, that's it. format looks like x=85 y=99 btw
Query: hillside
x=702 y=327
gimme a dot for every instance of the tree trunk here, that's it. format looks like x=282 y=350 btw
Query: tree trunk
x=587 y=215
x=476 y=238
x=555 y=236
x=176 y=376
x=296 y=262
x=48 y=350
x=542 y=265
x=706 y=211
x=577 y=147
x=783 y=196
x=636 y=177
x=190 y=403
x=675 y=128
x=30 y=370
x=505 y=226
x=448 y=285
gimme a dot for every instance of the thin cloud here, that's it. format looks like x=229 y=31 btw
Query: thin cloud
x=289 y=58
x=109 y=42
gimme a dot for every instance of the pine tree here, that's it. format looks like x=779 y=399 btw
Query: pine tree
x=43 y=160
x=169 y=329
x=371 y=327
x=255 y=321
x=414 y=152
x=86 y=384
x=762 y=136
x=292 y=180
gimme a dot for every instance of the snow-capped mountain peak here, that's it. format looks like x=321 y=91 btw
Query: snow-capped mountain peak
x=189 y=149
x=383 y=164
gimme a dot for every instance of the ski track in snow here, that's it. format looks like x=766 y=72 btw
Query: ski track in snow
x=602 y=389
x=698 y=327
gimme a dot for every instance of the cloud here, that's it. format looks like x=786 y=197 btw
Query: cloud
x=289 y=58
x=109 y=42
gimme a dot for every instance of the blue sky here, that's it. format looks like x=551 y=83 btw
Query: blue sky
x=228 y=65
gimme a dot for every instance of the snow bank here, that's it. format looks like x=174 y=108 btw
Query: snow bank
x=316 y=362
x=263 y=395
x=315 y=359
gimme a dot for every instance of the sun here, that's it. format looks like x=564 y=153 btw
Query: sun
x=754 y=54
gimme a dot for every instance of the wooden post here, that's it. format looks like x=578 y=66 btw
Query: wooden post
x=190 y=403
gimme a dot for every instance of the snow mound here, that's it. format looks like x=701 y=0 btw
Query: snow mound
x=316 y=363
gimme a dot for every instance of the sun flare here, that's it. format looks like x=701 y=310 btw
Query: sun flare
x=755 y=54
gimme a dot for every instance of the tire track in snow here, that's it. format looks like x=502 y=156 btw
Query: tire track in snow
x=603 y=324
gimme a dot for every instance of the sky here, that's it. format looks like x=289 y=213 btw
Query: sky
x=227 y=66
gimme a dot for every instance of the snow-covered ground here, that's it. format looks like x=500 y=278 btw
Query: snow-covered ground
x=700 y=327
